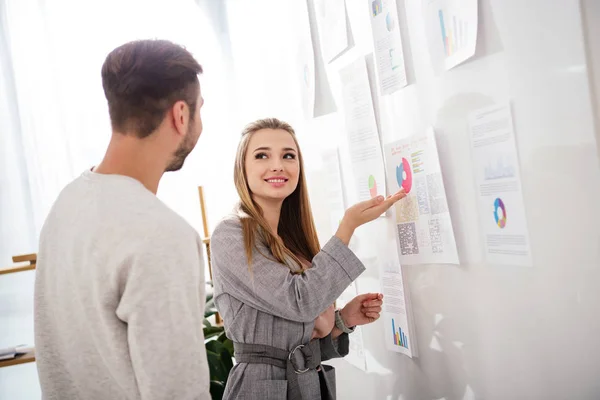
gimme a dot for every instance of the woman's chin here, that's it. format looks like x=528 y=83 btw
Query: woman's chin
x=273 y=197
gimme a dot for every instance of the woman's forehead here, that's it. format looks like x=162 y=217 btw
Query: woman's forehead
x=272 y=138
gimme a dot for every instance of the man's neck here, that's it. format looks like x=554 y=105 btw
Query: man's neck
x=131 y=157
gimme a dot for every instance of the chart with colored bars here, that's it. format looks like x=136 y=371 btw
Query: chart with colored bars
x=376 y=7
x=400 y=338
x=454 y=32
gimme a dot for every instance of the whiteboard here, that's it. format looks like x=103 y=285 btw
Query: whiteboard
x=484 y=331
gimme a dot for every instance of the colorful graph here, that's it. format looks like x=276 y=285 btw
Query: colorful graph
x=454 y=32
x=376 y=7
x=372 y=186
x=500 y=213
x=389 y=22
x=400 y=338
x=404 y=175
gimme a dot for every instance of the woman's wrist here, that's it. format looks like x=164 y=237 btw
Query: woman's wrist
x=345 y=231
x=343 y=323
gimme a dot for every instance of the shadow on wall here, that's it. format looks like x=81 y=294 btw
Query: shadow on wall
x=324 y=101
x=452 y=131
x=443 y=314
x=443 y=365
x=489 y=41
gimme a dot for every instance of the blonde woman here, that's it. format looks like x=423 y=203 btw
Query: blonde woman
x=274 y=286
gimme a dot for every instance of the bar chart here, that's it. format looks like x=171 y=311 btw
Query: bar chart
x=400 y=338
x=454 y=32
x=451 y=30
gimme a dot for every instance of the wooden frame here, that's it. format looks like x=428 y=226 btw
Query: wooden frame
x=206 y=240
x=31 y=259
x=20 y=359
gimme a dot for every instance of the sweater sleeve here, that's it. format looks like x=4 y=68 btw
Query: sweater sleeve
x=163 y=306
x=269 y=286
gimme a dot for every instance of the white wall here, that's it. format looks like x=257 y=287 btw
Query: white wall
x=54 y=124
x=484 y=332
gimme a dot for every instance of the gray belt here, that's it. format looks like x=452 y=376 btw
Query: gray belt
x=300 y=366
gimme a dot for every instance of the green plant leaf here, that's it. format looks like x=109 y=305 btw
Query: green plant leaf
x=226 y=360
x=222 y=337
x=212 y=331
x=217 y=390
x=229 y=346
x=215 y=346
x=215 y=366
x=226 y=342
x=217 y=370
x=209 y=308
x=206 y=323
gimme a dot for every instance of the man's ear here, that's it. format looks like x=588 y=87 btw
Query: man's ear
x=181 y=117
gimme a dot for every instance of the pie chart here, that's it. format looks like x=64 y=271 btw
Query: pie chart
x=372 y=186
x=500 y=213
x=404 y=175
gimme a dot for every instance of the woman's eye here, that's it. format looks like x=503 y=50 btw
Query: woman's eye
x=260 y=156
x=289 y=156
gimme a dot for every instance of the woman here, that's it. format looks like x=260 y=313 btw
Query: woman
x=274 y=287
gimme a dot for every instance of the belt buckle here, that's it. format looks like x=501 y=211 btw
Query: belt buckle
x=290 y=358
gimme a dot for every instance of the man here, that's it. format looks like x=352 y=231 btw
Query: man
x=119 y=293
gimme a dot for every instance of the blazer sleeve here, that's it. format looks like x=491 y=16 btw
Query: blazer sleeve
x=334 y=348
x=269 y=286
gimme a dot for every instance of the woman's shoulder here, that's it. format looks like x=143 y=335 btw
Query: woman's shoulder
x=228 y=224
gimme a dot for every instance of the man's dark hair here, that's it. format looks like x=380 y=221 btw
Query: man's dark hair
x=143 y=79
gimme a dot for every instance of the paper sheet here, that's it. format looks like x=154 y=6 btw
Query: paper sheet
x=356 y=354
x=361 y=130
x=396 y=315
x=305 y=57
x=498 y=178
x=388 y=46
x=333 y=32
x=335 y=192
x=451 y=30
x=424 y=227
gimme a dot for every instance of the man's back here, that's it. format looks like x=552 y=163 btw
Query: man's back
x=119 y=296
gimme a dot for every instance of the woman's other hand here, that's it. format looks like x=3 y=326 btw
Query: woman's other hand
x=362 y=310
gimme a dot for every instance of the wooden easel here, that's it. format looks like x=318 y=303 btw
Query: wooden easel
x=206 y=240
x=30 y=260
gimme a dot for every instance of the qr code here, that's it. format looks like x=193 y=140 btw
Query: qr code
x=408 y=239
x=437 y=197
x=407 y=210
x=435 y=233
x=422 y=196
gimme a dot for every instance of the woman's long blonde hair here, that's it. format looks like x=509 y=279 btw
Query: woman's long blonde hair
x=296 y=226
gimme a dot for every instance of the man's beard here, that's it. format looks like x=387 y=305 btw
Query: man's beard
x=185 y=148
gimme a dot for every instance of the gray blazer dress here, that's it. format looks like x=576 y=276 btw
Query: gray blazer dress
x=271 y=306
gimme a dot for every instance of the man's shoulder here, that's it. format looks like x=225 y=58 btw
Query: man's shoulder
x=119 y=206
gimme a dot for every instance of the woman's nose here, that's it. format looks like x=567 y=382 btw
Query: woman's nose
x=276 y=166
